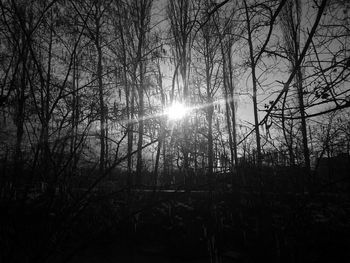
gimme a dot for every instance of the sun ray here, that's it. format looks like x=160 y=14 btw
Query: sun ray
x=176 y=111
x=173 y=111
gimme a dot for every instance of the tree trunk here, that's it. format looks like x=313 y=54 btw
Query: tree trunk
x=139 y=164
x=226 y=84
x=20 y=114
x=161 y=136
x=304 y=129
x=101 y=97
x=233 y=110
x=129 y=98
x=46 y=105
x=254 y=82
x=210 y=145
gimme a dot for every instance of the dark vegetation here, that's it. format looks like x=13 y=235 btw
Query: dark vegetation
x=181 y=222
x=93 y=168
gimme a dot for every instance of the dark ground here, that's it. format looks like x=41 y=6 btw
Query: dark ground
x=181 y=227
x=226 y=227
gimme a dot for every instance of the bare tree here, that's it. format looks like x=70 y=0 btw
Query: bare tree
x=183 y=18
x=141 y=12
x=255 y=55
x=291 y=28
x=227 y=33
x=207 y=47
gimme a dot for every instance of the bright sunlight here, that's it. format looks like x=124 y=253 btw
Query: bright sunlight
x=176 y=111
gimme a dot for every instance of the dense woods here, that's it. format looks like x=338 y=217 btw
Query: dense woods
x=254 y=169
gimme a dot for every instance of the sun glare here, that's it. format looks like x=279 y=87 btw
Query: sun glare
x=176 y=111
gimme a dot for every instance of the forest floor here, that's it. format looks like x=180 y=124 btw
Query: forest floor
x=179 y=226
x=223 y=227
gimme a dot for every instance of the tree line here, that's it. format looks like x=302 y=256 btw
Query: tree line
x=86 y=84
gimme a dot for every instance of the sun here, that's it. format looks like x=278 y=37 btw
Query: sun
x=176 y=111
